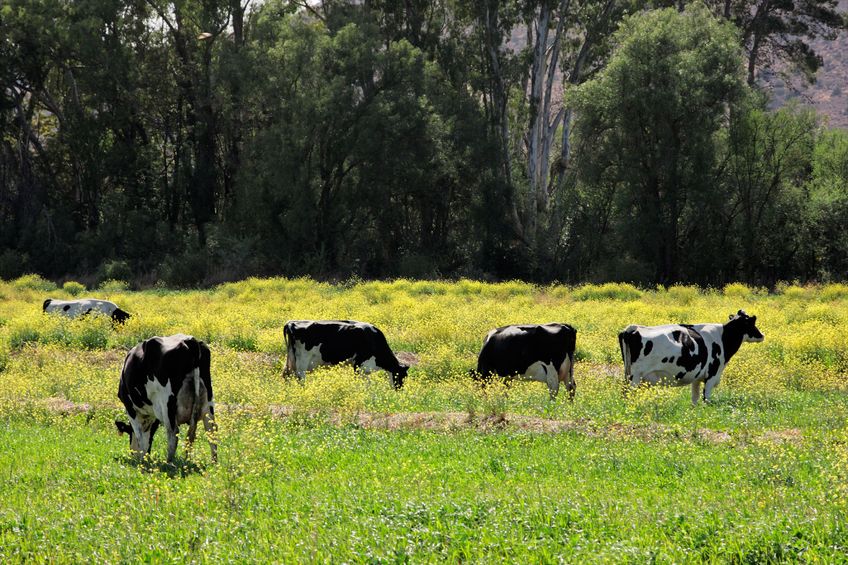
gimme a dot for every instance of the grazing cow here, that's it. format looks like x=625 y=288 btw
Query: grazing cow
x=311 y=343
x=683 y=354
x=542 y=353
x=83 y=306
x=167 y=380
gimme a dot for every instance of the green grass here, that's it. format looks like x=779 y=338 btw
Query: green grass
x=456 y=474
x=295 y=494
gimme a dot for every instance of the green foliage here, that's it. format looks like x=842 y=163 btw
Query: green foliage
x=115 y=270
x=607 y=291
x=112 y=285
x=34 y=282
x=668 y=69
x=73 y=288
x=364 y=139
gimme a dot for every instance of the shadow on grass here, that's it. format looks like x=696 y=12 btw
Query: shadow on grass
x=181 y=466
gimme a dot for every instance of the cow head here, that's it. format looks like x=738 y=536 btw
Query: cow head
x=119 y=316
x=124 y=428
x=46 y=304
x=399 y=375
x=747 y=323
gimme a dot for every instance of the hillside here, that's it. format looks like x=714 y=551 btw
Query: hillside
x=829 y=94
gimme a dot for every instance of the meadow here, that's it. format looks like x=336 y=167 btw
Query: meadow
x=345 y=469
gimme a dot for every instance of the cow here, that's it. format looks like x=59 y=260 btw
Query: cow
x=167 y=380
x=683 y=354
x=83 y=306
x=542 y=353
x=311 y=343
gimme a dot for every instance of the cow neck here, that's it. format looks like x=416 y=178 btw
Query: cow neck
x=731 y=338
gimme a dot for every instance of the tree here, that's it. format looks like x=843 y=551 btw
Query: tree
x=652 y=115
x=764 y=163
x=828 y=207
x=781 y=32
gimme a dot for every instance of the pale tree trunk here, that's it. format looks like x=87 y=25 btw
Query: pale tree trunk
x=575 y=76
x=541 y=128
x=499 y=98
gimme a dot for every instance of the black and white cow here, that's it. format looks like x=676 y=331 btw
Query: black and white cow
x=542 y=353
x=83 y=306
x=167 y=380
x=311 y=343
x=683 y=354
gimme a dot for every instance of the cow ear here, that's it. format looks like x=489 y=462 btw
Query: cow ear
x=730 y=317
x=753 y=319
x=123 y=427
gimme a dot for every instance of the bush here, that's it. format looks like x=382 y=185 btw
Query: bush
x=73 y=288
x=793 y=291
x=683 y=294
x=113 y=285
x=834 y=292
x=94 y=333
x=608 y=291
x=22 y=334
x=739 y=290
x=34 y=282
x=115 y=270
x=187 y=270
x=12 y=264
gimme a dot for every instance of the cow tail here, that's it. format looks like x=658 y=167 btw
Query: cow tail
x=625 y=352
x=288 y=338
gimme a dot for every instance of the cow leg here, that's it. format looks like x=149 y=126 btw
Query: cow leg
x=192 y=433
x=566 y=375
x=553 y=384
x=210 y=427
x=696 y=392
x=172 y=427
x=709 y=385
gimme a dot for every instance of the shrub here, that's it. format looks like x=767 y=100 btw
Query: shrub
x=21 y=334
x=683 y=294
x=12 y=264
x=115 y=270
x=184 y=271
x=608 y=291
x=113 y=285
x=739 y=290
x=834 y=292
x=73 y=288
x=93 y=333
x=793 y=291
x=34 y=282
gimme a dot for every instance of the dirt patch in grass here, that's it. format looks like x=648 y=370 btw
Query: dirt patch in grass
x=455 y=421
x=408 y=358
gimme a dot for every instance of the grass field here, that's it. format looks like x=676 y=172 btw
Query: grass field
x=345 y=469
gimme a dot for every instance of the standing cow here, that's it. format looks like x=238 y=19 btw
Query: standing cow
x=683 y=354
x=542 y=353
x=84 y=306
x=167 y=380
x=311 y=343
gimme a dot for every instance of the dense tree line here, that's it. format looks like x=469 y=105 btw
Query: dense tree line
x=192 y=141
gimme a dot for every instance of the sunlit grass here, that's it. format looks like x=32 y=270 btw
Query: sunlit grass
x=306 y=474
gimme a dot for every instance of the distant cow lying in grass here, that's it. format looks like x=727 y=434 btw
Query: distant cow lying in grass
x=167 y=380
x=83 y=306
x=312 y=343
x=542 y=353
x=683 y=354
